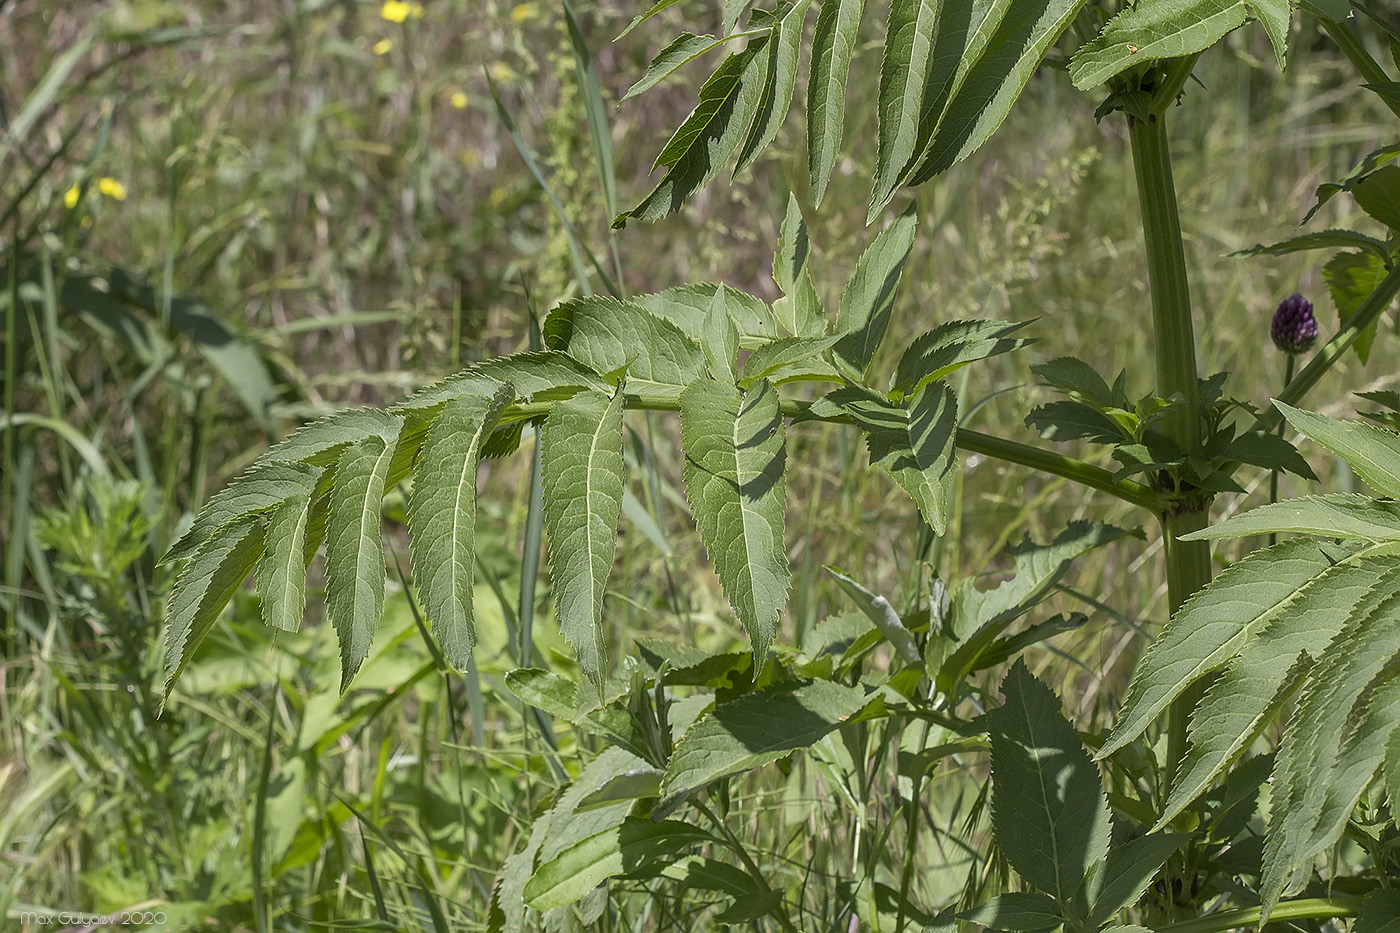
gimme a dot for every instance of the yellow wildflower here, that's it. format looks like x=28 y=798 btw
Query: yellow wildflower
x=112 y=188
x=459 y=100
x=396 y=11
x=524 y=11
x=383 y=46
x=70 y=197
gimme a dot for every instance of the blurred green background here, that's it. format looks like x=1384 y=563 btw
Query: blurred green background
x=219 y=220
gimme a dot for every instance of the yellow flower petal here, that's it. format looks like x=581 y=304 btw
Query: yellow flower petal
x=70 y=197
x=523 y=12
x=459 y=100
x=112 y=188
x=383 y=46
x=395 y=11
x=415 y=11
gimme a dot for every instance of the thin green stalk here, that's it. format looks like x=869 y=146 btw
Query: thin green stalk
x=1360 y=59
x=1289 y=364
x=737 y=846
x=1311 y=908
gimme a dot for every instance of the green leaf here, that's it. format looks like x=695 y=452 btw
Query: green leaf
x=1147 y=31
x=1212 y=626
x=1351 y=278
x=755 y=729
x=1067 y=420
x=799 y=310
x=783 y=50
x=607 y=335
x=868 y=298
x=1369 y=163
x=642 y=17
x=838 y=24
x=709 y=136
x=783 y=352
x=1336 y=515
x=264 y=487
x=1260 y=679
x=878 y=610
x=1323 y=239
x=582 y=478
x=1373 y=453
x=1335 y=10
x=951 y=346
x=355 y=551
x=720 y=340
x=1049 y=812
x=684 y=49
x=1378 y=194
x=736 y=481
x=202 y=589
x=1079 y=380
x=1380 y=913
x=996 y=47
x=1017 y=911
x=1276 y=17
x=1126 y=873
x=556 y=695
x=908 y=45
x=629 y=785
x=281 y=576
x=685 y=306
x=442 y=519
x=1263 y=449
x=635 y=845
x=531 y=374
x=1329 y=752
x=913 y=444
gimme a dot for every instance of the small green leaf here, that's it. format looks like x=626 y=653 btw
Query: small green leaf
x=951 y=346
x=1017 y=911
x=684 y=49
x=784 y=352
x=629 y=785
x=1067 y=420
x=866 y=302
x=635 y=845
x=1079 y=380
x=838 y=24
x=557 y=696
x=736 y=481
x=755 y=729
x=265 y=486
x=1373 y=453
x=1336 y=515
x=1126 y=873
x=773 y=106
x=1263 y=449
x=1049 y=812
x=1378 y=194
x=720 y=339
x=1351 y=278
x=442 y=519
x=799 y=310
x=685 y=306
x=913 y=444
x=1334 y=10
x=1147 y=31
x=582 y=479
x=355 y=551
x=879 y=611
x=204 y=586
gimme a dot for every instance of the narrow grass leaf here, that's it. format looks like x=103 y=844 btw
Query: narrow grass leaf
x=442 y=519
x=903 y=72
x=355 y=551
x=582 y=477
x=736 y=482
x=632 y=846
x=1373 y=453
x=1212 y=627
x=868 y=298
x=1049 y=812
x=755 y=729
x=838 y=24
x=1147 y=31
x=783 y=50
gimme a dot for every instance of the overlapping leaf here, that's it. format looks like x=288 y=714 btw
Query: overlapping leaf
x=837 y=27
x=866 y=303
x=608 y=336
x=1146 y=31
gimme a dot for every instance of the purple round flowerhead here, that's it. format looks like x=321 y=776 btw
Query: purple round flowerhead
x=1294 y=328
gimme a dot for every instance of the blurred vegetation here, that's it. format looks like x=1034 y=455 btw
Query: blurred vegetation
x=219 y=220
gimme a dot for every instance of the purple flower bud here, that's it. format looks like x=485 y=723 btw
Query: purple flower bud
x=1294 y=328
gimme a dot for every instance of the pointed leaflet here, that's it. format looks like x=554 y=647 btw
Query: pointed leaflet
x=1380 y=912
x=736 y=481
x=1212 y=626
x=755 y=729
x=582 y=480
x=442 y=519
x=355 y=550
x=1276 y=17
x=685 y=306
x=1017 y=910
x=1127 y=871
x=783 y=51
x=720 y=339
x=1351 y=278
x=633 y=845
x=864 y=312
x=951 y=346
x=908 y=44
x=606 y=335
x=262 y=488
x=202 y=589
x=799 y=310
x=878 y=610
x=1161 y=29
x=784 y=353
x=1374 y=454
x=683 y=49
x=1335 y=515
x=709 y=136
x=913 y=444
x=281 y=577
x=1260 y=679
x=1049 y=812
x=837 y=27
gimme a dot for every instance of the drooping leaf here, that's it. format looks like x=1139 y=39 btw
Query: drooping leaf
x=783 y=49
x=265 y=486
x=1373 y=453
x=1049 y=812
x=1211 y=627
x=281 y=576
x=1147 y=31
x=1126 y=873
x=708 y=137
x=583 y=483
x=1337 y=515
x=878 y=609
x=1322 y=239
x=442 y=519
x=203 y=587
x=1351 y=278
x=736 y=481
x=631 y=846
x=838 y=24
x=355 y=551
x=684 y=49
x=1276 y=16
x=948 y=347
x=1017 y=911
x=866 y=302
x=1378 y=194
x=908 y=45
x=607 y=335
x=720 y=339
x=755 y=729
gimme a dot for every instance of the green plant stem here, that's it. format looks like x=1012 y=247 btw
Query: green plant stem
x=1045 y=461
x=1311 y=908
x=1187 y=562
x=1289 y=365
x=1174 y=78
x=1360 y=59
x=737 y=846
